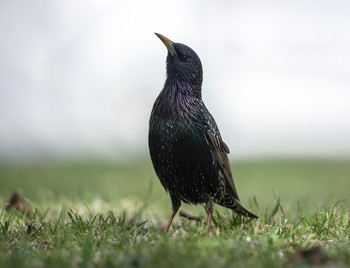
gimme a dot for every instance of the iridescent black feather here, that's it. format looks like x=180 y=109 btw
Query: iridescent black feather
x=187 y=151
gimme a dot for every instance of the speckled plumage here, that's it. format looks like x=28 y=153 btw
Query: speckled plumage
x=187 y=151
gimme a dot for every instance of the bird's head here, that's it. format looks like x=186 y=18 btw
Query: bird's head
x=182 y=63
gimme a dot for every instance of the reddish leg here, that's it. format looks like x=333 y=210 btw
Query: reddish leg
x=176 y=203
x=209 y=222
x=170 y=221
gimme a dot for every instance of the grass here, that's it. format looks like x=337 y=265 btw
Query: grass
x=99 y=214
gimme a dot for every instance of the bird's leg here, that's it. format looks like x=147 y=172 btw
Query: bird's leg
x=209 y=209
x=176 y=203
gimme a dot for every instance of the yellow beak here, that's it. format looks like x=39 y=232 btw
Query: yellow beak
x=168 y=43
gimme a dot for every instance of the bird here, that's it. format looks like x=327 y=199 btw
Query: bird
x=188 y=154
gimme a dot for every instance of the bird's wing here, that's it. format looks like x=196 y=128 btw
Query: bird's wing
x=220 y=151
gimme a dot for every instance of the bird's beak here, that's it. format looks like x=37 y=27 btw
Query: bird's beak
x=168 y=43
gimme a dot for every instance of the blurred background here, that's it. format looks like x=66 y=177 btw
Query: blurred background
x=78 y=80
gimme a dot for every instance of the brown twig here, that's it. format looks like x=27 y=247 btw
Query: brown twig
x=190 y=216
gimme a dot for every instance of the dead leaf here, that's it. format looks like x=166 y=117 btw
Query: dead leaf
x=19 y=203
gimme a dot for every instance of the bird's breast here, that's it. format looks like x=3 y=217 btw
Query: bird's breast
x=181 y=157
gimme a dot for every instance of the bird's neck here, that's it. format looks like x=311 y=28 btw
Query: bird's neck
x=180 y=97
x=183 y=89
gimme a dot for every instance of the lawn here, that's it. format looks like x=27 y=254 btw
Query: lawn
x=100 y=213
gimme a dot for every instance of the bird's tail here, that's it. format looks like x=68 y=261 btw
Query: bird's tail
x=235 y=204
x=243 y=210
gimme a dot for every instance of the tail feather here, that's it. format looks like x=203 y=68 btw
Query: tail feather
x=233 y=203
x=244 y=211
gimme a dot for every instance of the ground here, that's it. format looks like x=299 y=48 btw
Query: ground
x=100 y=213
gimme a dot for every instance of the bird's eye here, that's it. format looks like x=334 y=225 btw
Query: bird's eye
x=182 y=57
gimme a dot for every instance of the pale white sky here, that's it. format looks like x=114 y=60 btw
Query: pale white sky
x=80 y=77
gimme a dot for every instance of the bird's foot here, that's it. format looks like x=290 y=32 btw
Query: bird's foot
x=191 y=217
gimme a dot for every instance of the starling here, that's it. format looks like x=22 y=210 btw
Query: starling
x=186 y=148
